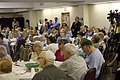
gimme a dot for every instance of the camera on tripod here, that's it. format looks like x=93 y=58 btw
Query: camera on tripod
x=114 y=16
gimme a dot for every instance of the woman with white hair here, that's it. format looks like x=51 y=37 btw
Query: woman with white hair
x=4 y=54
x=74 y=65
x=49 y=72
x=38 y=47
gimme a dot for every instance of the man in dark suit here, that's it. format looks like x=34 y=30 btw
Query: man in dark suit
x=75 y=27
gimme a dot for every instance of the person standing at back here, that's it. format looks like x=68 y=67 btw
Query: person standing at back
x=56 y=24
x=15 y=23
x=75 y=27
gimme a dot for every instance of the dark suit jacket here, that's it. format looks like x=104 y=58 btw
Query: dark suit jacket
x=76 y=28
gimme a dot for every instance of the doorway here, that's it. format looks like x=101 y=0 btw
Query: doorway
x=66 y=18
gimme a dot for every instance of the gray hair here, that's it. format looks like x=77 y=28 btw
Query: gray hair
x=39 y=44
x=96 y=39
x=3 y=50
x=49 y=55
x=70 y=49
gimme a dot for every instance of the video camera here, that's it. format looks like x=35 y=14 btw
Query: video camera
x=114 y=15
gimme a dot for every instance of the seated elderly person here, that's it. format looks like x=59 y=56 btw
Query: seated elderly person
x=4 y=43
x=5 y=66
x=95 y=40
x=38 y=47
x=49 y=72
x=58 y=53
x=74 y=65
x=94 y=58
x=62 y=35
x=4 y=54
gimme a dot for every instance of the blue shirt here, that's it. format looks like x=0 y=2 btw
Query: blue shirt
x=19 y=38
x=55 y=25
x=95 y=60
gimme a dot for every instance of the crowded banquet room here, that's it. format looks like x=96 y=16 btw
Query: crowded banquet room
x=59 y=39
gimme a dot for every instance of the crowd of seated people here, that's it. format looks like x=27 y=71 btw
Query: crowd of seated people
x=79 y=48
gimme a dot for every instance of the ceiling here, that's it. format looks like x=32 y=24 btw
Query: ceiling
x=24 y=5
x=38 y=0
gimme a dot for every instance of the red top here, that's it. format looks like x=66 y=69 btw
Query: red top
x=59 y=56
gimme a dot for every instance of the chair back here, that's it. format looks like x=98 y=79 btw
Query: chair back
x=90 y=74
x=103 y=71
x=24 y=55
